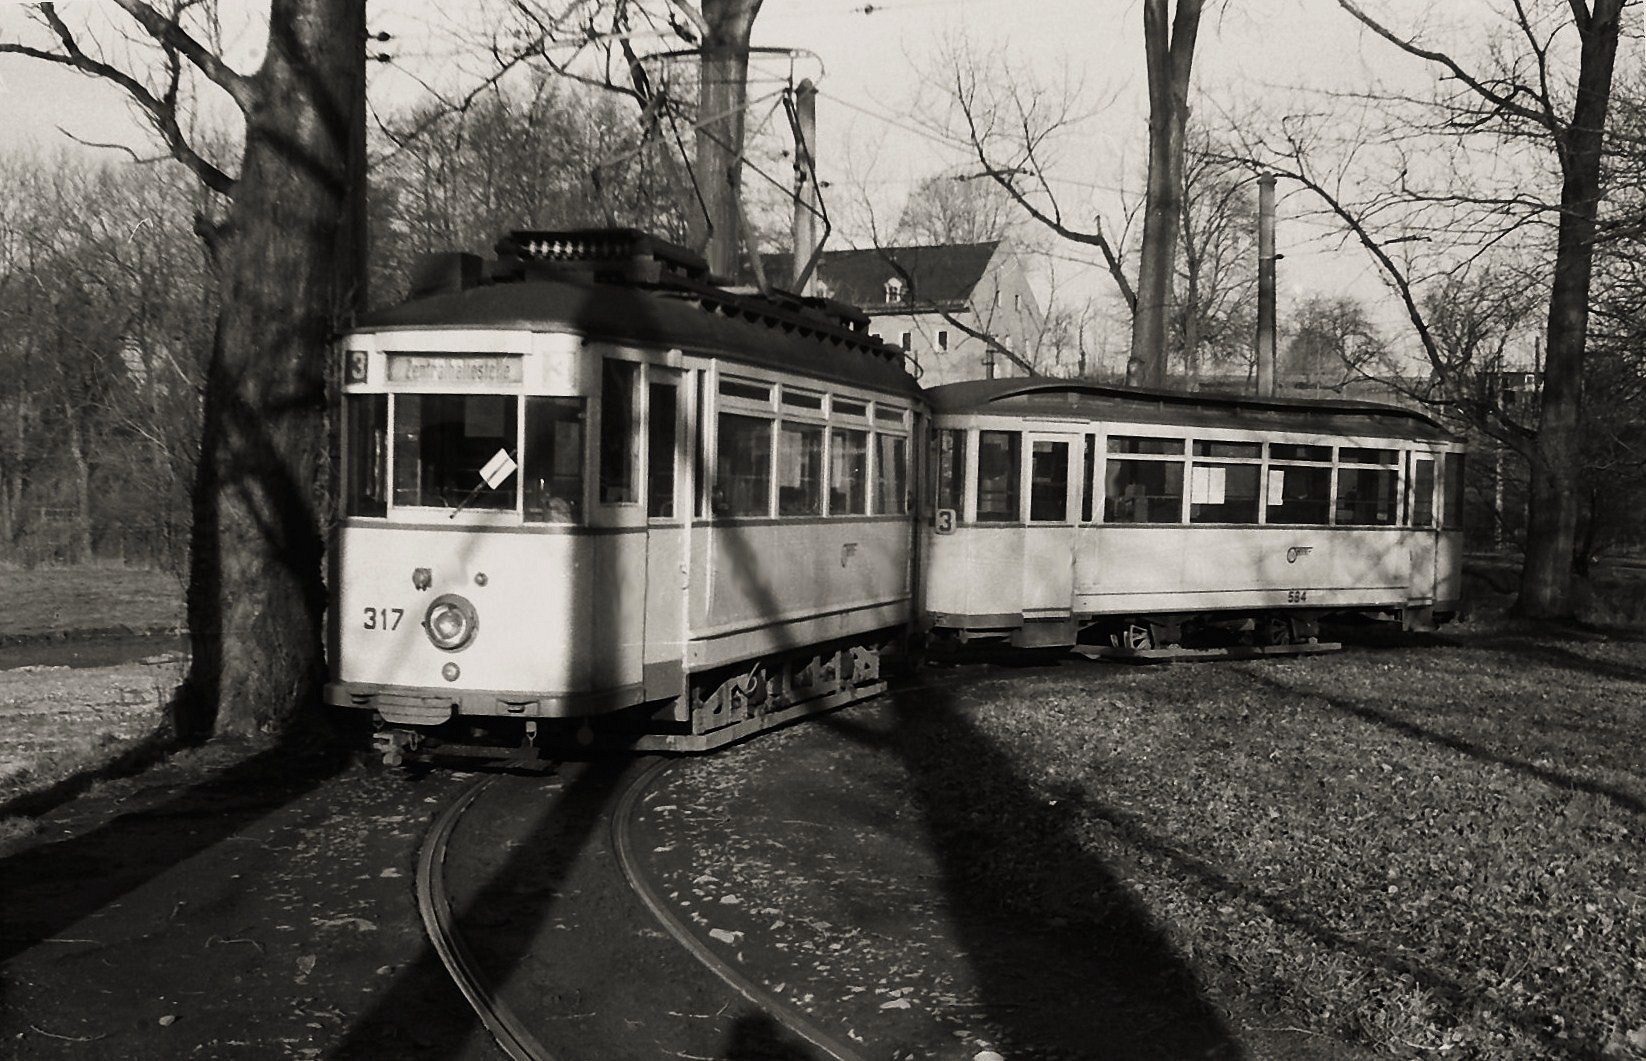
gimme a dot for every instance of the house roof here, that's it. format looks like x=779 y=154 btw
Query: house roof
x=941 y=276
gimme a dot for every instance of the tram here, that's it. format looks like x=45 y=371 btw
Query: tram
x=1068 y=511
x=585 y=489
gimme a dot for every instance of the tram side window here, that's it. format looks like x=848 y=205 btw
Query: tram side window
x=1140 y=490
x=553 y=459
x=1048 y=481
x=618 y=431
x=999 y=465
x=848 y=472
x=1451 y=514
x=951 y=469
x=1300 y=489
x=891 y=474
x=1224 y=482
x=441 y=443
x=1367 y=481
x=368 y=419
x=664 y=400
x=743 y=466
x=1423 y=492
x=1087 y=479
x=799 y=470
x=553 y=468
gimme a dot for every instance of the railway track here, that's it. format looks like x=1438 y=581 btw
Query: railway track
x=434 y=905
x=512 y=1030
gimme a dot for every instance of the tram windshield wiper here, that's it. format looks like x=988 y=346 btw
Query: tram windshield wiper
x=493 y=474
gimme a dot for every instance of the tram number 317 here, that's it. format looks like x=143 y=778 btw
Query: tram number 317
x=384 y=618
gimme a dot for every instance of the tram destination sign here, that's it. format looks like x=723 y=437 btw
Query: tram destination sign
x=478 y=369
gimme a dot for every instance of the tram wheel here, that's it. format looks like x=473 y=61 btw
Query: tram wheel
x=1275 y=630
x=1134 y=636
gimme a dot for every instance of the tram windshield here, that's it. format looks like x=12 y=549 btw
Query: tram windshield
x=463 y=452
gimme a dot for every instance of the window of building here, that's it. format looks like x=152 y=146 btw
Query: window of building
x=1145 y=485
x=848 y=472
x=891 y=474
x=906 y=341
x=553 y=466
x=998 y=475
x=441 y=443
x=894 y=290
x=942 y=338
x=799 y=470
x=1224 y=482
x=743 y=466
x=1048 y=481
x=664 y=403
x=368 y=469
x=1367 y=482
x=618 y=441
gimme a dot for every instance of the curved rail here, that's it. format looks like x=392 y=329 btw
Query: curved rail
x=622 y=840
x=435 y=907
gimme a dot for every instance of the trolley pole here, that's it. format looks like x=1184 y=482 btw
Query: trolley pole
x=1266 y=285
x=805 y=189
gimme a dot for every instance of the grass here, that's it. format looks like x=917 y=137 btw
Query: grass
x=1433 y=849
x=50 y=601
x=58 y=723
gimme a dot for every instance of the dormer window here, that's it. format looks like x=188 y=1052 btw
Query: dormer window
x=894 y=291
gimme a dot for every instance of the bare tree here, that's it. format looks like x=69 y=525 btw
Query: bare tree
x=1169 y=51
x=718 y=32
x=1334 y=343
x=956 y=209
x=1542 y=95
x=289 y=250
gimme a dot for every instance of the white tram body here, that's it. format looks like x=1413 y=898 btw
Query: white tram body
x=590 y=487
x=1066 y=509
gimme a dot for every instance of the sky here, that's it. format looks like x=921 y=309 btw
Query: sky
x=871 y=61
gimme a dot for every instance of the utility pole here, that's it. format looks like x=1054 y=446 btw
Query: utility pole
x=806 y=196
x=1266 y=285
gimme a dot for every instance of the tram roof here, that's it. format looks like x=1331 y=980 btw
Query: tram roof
x=710 y=322
x=1038 y=396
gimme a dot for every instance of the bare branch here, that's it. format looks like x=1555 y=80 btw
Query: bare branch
x=161 y=112
x=177 y=40
x=1503 y=101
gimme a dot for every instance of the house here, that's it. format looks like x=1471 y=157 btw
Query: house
x=962 y=311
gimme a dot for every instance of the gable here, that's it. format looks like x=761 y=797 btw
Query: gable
x=943 y=276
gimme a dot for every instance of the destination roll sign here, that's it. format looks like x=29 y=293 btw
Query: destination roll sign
x=455 y=368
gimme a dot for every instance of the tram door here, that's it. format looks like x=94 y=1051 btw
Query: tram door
x=668 y=497
x=1049 y=536
x=1420 y=476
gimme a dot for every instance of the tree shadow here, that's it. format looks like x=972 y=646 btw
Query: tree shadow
x=1104 y=980
x=47 y=887
x=1389 y=720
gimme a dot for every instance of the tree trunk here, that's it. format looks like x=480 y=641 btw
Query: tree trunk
x=1169 y=60
x=1551 y=518
x=717 y=227
x=290 y=257
x=79 y=544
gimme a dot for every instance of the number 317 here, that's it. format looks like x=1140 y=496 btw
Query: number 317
x=384 y=618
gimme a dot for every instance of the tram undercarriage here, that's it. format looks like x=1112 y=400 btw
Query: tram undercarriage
x=719 y=707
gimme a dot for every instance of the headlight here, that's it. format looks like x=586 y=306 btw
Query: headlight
x=451 y=622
